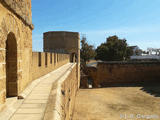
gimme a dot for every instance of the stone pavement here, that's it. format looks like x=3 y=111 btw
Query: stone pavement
x=33 y=106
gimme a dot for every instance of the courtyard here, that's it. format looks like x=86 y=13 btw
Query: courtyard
x=118 y=103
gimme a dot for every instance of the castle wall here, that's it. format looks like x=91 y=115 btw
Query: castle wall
x=23 y=65
x=127 y=72
x=63 y=41
x=45 y=62
x=62 y=97
x=15 y=19
x=21 y=9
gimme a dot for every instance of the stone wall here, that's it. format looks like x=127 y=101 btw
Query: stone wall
x=19 y=66
x=21 y=9
x=45 y=62
x=15 y=27
x=62 y=97
x=112 y=73
x=63 y=41
x=92 y=73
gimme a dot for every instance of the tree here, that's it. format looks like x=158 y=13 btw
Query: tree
x=87 y=51
x=114 y=49
x=138 y=52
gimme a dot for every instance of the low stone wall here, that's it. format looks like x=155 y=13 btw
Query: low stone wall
x=45 y=62
x=62 y=97
x=110 y=73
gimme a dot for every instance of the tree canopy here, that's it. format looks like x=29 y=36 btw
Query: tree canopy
x=87 y=51
x=114 y=49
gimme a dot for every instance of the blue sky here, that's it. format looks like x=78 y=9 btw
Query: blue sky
x=136 y=20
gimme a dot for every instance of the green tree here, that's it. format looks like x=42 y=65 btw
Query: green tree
x=87 y=51
x=138 y=52
x=114 y=49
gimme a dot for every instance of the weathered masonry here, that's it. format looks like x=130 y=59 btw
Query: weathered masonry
x=125 y=73
x=15 y=47
x=63 y=42
x=19 y=66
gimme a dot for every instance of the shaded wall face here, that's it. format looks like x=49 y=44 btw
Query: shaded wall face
x=110 y=74
x=59 y=41
x=11 y=23
x=11 y=66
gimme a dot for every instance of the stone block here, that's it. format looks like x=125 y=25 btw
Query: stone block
x=2 y=96
x=2 y=70
x=2 y=83
x=2 y=56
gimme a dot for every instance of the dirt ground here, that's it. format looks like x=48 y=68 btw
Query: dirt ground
x=118 y=103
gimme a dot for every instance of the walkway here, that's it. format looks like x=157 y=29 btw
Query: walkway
x=117 y=103
x=34 y=105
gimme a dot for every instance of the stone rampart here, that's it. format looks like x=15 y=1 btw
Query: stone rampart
x=128 y=72
x=62 y=97
x=121 y=73
x=45 y=62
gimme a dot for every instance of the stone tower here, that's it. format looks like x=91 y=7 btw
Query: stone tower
x=63 y=41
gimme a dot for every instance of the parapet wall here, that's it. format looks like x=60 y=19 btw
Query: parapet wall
x=112 y=73
x=45 y=62
x=62 y=97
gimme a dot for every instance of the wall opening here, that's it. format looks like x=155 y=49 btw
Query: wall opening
x=57 y=57
x=50 y=58
x=11 y=66
x=54 y=58
x=72 y=57
x=46 y=59
x=39 y=59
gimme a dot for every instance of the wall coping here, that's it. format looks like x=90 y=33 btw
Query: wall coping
x=55 y=97
x=129 y=62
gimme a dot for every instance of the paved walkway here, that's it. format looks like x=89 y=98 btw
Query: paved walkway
x=117 y=103
x=34 y=105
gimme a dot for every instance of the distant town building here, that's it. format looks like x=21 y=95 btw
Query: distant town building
x=154 y=51
x=136 y=50
x=150 y=54
x=145 y=57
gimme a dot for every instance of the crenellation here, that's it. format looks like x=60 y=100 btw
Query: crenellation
x=19 y=66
